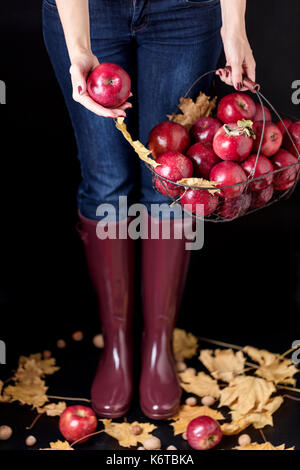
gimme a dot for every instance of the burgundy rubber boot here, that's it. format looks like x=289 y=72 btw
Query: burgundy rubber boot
x=110 y=265
x=164 y=269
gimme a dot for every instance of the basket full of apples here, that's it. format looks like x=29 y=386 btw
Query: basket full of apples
x=229 y=164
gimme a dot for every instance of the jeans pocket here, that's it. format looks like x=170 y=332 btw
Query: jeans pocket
x=201 y=3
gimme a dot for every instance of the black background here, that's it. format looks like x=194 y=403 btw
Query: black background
x=243 y=286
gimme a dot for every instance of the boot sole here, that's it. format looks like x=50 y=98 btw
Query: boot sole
x=158 y=416
x=105 y=414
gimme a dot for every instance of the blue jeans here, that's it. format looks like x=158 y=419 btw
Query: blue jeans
x=164 y=45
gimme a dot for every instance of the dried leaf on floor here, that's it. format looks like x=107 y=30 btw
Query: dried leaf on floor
x=53 y=409
x=47 y=366
x=264 y=446
x=245 y=393
x=123 y=432
x=186 y=413
x=200 y=183
x=59 y=445
x=33 y=394
x=273 y=367
x=184 y=344
x=200 y=384
x=223 y=364
x=192 y=110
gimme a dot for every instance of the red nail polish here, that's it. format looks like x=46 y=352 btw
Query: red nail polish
x=238 y=86
x=80 y=90
x=227 y=73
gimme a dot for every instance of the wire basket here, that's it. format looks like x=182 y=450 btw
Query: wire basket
x=218 y=208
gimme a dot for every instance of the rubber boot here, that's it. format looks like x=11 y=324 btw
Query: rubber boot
x=164 y=269
x=110 y=264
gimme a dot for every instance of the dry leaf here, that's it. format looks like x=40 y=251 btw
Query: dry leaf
x=199 y=183
x=223 y=364
x=245 y=393
x=27 y=394
x=47 y=366
x=273 y=367
x=123 y=432
x=139 y=148
x=53 y=409
x=3 y=398
x=191 y=111
x=259 y=418
x=184 y=344
x=264 y=446
x=59 y=445
x=200 y=384
x=28 y=373
x=186 y=413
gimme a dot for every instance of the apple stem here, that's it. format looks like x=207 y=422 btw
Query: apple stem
x=69 y=398
x=86 y=436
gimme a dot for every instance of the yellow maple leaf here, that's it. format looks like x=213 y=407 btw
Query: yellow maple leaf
x=244 y=393
x=264 y=446
x=223 y=364
x=47 y=366
x=273 y=367
x=184 y=344
x=200 y=384
x=139 y=148
x=53 y=409
x=191 y=111
x=28 y=372
x=33 y=394
x=186 y=413
x=123 y=432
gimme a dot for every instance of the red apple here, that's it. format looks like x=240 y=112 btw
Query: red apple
x=272 y=138
x=261 y=198
x=231 y=142
x=76 y=422
x=203 y=158
x=287 y=123
x=229 y=174
x=294 y=130
x=173 y=166
x=168 y=136
x=204 y=129
x=203 y=433
x=232 y=208
x=284 y=179
x=196 y=197
x=235 y=107
x=109 y=85
x=264 y=167
x=259 y=114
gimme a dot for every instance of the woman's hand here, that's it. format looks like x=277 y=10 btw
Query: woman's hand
x=239 y=56
x=81 y=66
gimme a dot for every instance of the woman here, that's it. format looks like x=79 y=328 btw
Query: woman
x=164 y=45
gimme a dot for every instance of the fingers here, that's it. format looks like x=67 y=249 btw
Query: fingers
x=78 y=81
x=86 y=101
x=237 y=76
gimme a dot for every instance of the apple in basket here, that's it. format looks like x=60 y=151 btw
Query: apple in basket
x=285 y=179
x=261 y=198
x=272 y=139
x=287 y=123
x=204 y=129
x=229 y=174
x=259 y=114
x=203 y=158
x=264 y=167
x=234 y=141
x=201 y=202
x=109 y=85
x=174 y=166
x=168 y=136
x=294 y=130
x=235 y=107
x=236 y=207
